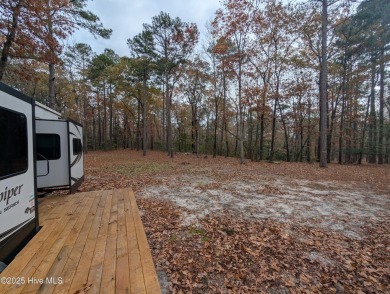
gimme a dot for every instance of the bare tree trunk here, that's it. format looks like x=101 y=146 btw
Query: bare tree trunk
x=221 y=139
x=169 y=123
x=308 y=159
x=348 y=118
x=195 y=129
x=271 y=153
x=206 y=140
x=85 y=103
x=353 y=122
x=224 y=133
x=262 y=120
x=86 y=122
x=301 y=143
x=271 y=156
x=250 y=136
x=216 y=100
x=364 y=131
x=224 y=121
x=152 y=133
x=236 y=146
x=323 y=86
x=104 y=118
x=261 y=147
x=138 y=124
x=93 y=129
x=330 y=130
x=99 y=122
x=163 y=134
x=285 y=133
x=381 y=106
x=255 y=151
x=241 y=115
x=372 y=118
x=344 y=95
x=144 y=114
x=226 y=140
x=111 y=117
x=179 y=128
x=125 y=130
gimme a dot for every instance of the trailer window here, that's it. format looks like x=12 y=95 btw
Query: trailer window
x=14 y=146
x=48 y=147
x=77 y=147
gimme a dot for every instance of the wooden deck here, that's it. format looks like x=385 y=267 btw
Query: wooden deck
x=89 y=243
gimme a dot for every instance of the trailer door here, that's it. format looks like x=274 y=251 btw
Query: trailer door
x=18 y=202
x=52 y=153
x=76 y=156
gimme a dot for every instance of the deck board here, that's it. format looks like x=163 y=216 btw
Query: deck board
x=136 y=275
x=89 y=242
x=96 y=270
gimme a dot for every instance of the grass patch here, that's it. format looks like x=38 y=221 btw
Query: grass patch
x=229 y=232
x=173 y=238
x=195 y=231
x=137 y=168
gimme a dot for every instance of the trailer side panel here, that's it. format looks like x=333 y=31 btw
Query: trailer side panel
x=18 y=210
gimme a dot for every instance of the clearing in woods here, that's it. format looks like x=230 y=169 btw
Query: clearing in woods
x=216 y=226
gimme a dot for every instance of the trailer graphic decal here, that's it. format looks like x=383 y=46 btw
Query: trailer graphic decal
x=9 y=193
x=77 y=159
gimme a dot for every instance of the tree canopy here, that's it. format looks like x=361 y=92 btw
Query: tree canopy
x=272 y=80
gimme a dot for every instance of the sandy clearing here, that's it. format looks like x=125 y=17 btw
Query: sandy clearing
x=330 y=205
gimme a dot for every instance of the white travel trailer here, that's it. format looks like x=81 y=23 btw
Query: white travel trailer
x=39 y=150
x=59 y=142
x=18 y=195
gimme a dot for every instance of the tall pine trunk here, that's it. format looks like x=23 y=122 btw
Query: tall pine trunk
x=271 y=153
x=262 y=120
x=240 y=133
x=364 y=130
x=381 y=106
x=323 y=86
x=372 y=118
x=344 y=97
x=99 y=121
x=168 y=98
x=216 y=100
x=111 y=117
x=144 y=117
x=308 y=154
x=285 y=132
x=163 y=117
x=139 y=106
x=104 y=118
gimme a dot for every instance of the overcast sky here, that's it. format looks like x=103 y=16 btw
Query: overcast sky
x=125 y=18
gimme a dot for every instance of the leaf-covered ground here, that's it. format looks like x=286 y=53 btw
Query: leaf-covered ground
x=215 y=226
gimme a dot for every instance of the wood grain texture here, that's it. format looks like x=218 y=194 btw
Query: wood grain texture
x=89 y=242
